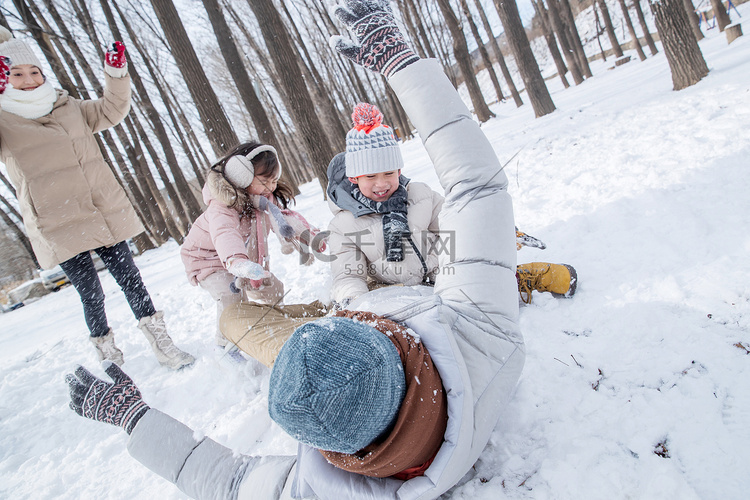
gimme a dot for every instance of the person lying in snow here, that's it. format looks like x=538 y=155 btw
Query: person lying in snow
x=351 y=428
x=386 y=229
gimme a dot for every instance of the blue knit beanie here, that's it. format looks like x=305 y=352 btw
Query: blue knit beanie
x=336 y=385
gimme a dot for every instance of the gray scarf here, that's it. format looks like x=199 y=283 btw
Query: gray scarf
x=393 y=212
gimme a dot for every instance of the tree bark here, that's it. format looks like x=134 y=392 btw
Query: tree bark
x=539 y=96
x=187 y=207
x=644 y=27
x=482 y=51
x=683 y=54
x=583 y=61
x=321 y=96
x=217 y=127
x=465 y=64
x=599 y=30
x=20 y=235
x=549 y=37
x=694 y=20
x=565 y=41
x=16 y=228
x=244 y=85
x=631 y=30
x=722 y=16
x=298 y=101
x=610 y=28
x=499 y=55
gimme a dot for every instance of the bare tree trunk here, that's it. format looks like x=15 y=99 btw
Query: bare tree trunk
x=499 y=55
x=644 y=27
x=298 y=103
x=20 y=235
x=411 y=26
x=139 y=195
x=549 y=37
x=631 y=30
x=565 y=41
x=217 y=127
x=181 y=223
x=438 y=37
x=191 y=209
x=321 y=96
x=694 y=20
x=599 y=28
x=683 y=54
x=244 y=85
x=465 y=64
x=482 y=51
x=575 y=38
x=143 y=172
x=722 y=17
x=180 y=123
x=16 y=228
x=610 y=28
x=42 y=39
x=539 y=96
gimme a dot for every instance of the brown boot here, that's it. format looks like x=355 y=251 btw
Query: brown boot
x=559 y=279
x=106 y=348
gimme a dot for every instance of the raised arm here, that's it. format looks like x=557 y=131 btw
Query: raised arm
x=114 y=105
x=479 y=274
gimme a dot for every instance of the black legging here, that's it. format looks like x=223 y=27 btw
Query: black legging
x=119 y=261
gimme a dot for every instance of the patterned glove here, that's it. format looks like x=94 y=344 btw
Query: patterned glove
x=380 y=45
x=119 y=403
x=115 y=56
x=5 y=64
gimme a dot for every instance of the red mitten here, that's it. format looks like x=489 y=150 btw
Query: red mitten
x=5 y=64
x=115 y=56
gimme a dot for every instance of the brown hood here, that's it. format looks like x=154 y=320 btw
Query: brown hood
x=418 y=433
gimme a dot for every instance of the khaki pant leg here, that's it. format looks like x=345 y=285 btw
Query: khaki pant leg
x=261 y=330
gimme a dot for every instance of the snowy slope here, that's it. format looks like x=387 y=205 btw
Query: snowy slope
x=642 y=189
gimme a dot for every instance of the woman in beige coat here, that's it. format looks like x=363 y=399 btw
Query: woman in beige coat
x=70 y=200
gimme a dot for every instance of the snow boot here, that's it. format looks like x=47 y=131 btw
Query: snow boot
x=106 y=348
x=559 y=279
x=167 y=353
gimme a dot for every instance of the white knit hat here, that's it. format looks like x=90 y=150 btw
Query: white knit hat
x=370 y=145
x=239 y=169
x=18 y=52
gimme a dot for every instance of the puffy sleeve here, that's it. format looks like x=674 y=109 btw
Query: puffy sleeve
x=202 y=468
x=112 y=107
x=348 y=267
x=477 y=211
x=223 y=229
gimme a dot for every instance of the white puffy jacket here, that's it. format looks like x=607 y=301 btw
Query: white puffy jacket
x=359 y=250
x=469 y=323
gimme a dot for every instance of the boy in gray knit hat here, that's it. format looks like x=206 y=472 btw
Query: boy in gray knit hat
x=385 y=228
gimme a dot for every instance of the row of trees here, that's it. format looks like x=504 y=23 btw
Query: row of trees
x=209 y=74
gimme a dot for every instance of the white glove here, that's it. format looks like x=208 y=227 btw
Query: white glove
x=244 y=268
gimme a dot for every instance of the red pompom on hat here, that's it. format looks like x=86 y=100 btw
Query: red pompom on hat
x=370 y=146
x=366 y=117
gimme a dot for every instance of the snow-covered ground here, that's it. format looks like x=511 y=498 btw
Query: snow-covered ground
x=637 y=387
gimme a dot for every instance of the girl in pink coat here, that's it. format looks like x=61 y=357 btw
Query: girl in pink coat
x=226 y=250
